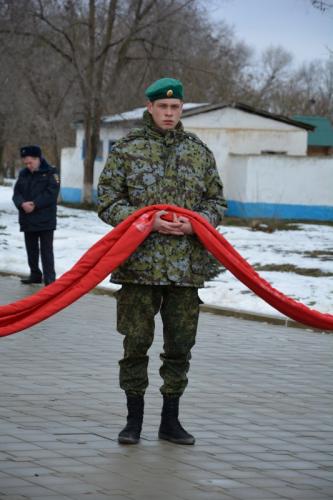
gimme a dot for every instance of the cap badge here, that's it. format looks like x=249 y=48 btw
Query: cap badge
x=169 y=93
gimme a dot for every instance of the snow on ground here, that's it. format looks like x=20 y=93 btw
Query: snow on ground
x=78 y=230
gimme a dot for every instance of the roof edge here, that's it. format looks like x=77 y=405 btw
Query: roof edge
x=249 y=109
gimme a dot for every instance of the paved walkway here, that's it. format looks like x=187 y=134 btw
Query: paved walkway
x=260 y=403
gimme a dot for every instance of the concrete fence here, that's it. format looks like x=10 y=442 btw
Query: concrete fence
x=263 y=186
x=279 y=186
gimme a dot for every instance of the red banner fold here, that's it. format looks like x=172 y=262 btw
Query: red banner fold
x=114 y=248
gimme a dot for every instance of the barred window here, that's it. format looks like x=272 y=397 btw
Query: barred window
x=99 y=155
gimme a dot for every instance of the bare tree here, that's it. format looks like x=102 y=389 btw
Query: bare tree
x=64 y=58
x=269 y=78
x=95 y=39
x=53 y=97
x=8 y=101
x=322 y=5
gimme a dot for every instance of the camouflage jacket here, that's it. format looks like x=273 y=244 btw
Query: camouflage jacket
x=148 y=167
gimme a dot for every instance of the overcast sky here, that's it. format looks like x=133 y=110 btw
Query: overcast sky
x=295 y=24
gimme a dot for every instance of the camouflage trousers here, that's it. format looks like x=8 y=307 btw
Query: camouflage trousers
x=137 y=306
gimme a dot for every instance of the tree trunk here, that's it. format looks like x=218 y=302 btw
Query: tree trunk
x=2 y=146
x=92 y=130
x=2 y=168
x=88 y=175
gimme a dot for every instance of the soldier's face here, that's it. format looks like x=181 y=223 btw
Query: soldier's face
x=166 y=113
x=31 y=163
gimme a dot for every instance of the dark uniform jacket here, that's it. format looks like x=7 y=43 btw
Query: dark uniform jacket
x=41 y=187
x=150 y=166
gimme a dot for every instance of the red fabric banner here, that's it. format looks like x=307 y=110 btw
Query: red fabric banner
x=114 y=248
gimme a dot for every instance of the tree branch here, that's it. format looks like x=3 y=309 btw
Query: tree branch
x=127 y=39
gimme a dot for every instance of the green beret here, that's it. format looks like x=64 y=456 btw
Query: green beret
x=165 y=88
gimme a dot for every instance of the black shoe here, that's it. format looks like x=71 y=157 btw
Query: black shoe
x=170 y=428
x=132 y=431
x=30 y=280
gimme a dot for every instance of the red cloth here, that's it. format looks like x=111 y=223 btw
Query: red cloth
x=114 y=248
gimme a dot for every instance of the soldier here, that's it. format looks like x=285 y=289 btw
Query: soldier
x=160 y=163
x=35 y=196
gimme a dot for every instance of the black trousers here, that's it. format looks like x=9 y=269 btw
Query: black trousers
x=40 y=242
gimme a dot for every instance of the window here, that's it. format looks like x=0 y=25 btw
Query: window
x=111 y=143
x=99 y=155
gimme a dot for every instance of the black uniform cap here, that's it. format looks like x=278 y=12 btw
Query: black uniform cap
x=34 y=151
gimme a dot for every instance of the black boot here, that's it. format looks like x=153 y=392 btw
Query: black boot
x=31 y=279
x=48 y=282
x=170 y=428
x=131 y=432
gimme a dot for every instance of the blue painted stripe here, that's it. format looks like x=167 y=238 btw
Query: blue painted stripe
x=71 y=195
x=279 y=211
x=74 y=195
x=242 y=210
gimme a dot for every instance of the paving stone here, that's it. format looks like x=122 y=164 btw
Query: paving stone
x=259 y=401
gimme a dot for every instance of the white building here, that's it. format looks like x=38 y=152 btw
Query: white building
x=262 y=159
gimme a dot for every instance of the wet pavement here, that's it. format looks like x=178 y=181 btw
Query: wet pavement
x=259 y=402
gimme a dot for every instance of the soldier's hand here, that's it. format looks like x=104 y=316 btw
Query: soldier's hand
x=186 y=226
x=165 y=227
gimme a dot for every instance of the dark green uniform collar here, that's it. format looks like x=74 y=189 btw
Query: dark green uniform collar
x=150 y=124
